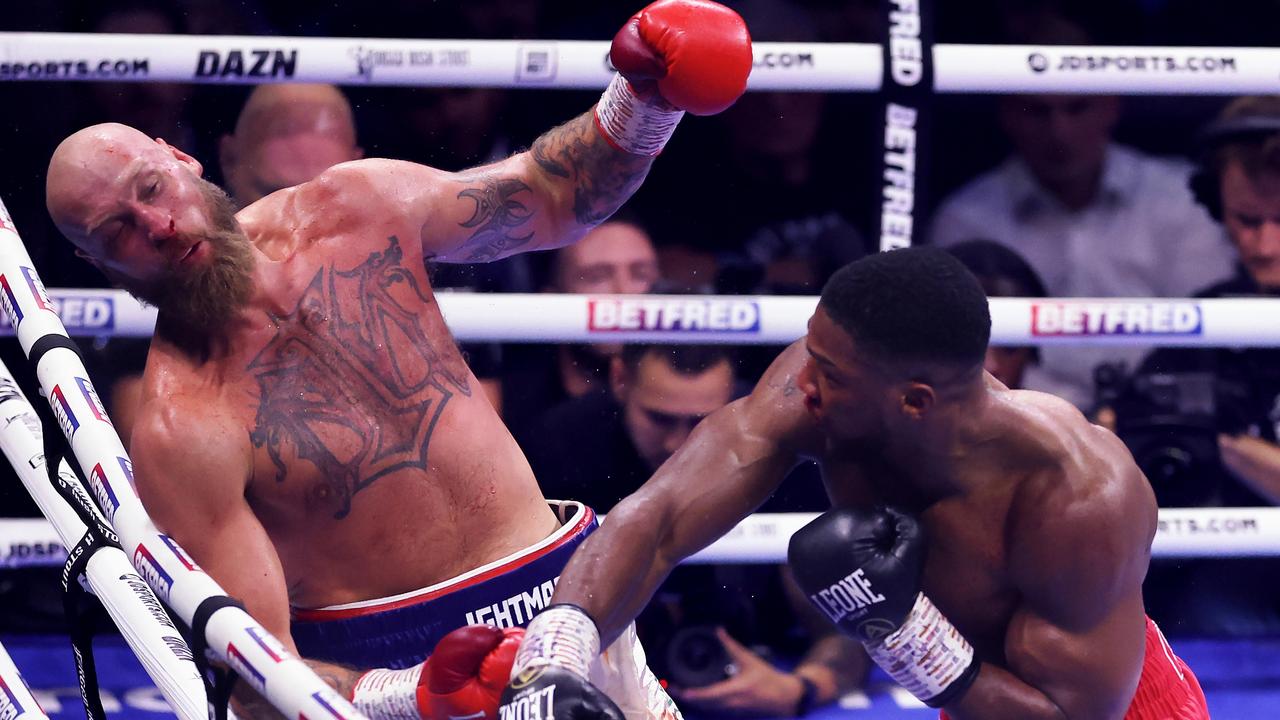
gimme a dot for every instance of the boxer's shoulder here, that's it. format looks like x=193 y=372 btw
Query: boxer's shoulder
x=1080 y=524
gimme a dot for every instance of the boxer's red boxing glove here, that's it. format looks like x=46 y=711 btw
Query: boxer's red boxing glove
x=672 y=56
x=466 y=674
x=464 y=677
x=698 y=51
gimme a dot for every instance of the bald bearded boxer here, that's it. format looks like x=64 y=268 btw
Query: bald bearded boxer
x=987 y=545
x=309 y=430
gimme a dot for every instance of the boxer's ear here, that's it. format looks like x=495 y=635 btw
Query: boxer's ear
x=183 y=158
x=917 y=400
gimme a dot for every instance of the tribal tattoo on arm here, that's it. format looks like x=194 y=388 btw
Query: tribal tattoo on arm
x=601 y=178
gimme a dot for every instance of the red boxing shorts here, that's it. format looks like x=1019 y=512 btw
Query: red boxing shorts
x=1167 y=689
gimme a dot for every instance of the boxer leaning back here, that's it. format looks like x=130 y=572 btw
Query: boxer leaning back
x=309 y=432
x=987 y=545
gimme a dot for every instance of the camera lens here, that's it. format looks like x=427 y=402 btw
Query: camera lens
x=1168 y=466
x=695 y=657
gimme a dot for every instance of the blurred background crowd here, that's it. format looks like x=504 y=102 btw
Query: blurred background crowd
x=1057 y=196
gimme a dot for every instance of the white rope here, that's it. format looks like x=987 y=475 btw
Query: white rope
x=16 y=700
x=129 y=601
x=365 y=61
x=762 y=537
x=1181 y=533
x=1104 y=69
x=737 y=319
x=849 y=67
x=233 y=635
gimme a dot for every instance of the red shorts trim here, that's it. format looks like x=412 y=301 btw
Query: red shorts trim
x=1167 y=689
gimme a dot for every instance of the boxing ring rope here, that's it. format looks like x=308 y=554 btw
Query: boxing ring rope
x=743 y=320
x=16 y=700
x=231 y=634
x=762 y=538
x=574 y=64
x=126 y=596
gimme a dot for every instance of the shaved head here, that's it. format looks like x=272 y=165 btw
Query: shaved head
x=286 y=135
x=137 y=209
x=85 y=161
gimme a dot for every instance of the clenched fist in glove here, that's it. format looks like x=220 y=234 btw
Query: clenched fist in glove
x=673 y=56
x=463 y=678
x=863 y=570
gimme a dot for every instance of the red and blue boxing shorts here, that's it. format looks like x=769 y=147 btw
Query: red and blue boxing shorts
x=400 y=631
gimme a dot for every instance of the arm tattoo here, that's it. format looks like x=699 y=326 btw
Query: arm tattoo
x=603 y=177
x=499 y=211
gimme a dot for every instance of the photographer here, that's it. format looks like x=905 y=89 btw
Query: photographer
x=1239 y=182
x=1203 y=422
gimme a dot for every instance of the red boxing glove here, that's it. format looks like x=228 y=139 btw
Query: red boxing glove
x=698 y=51
x=698 y=55
x=463 y=678
x=466 y=674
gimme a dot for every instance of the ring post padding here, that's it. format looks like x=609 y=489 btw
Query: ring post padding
x=128 y=599
x=284 y=680
x=16 y=702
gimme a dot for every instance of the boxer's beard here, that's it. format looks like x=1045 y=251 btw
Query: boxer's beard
x=204 y=297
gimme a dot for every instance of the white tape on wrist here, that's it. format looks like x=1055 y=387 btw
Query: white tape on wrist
x=638 y=126
x=561 y=635
x=388 y=694
x=926 y=654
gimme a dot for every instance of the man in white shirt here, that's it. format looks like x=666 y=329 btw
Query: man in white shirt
x=1093 y=218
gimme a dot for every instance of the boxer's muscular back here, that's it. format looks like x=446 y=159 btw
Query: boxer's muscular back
x=343 y=415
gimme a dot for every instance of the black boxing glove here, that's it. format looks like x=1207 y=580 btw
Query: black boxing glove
x=862 y=569
x=549 y=678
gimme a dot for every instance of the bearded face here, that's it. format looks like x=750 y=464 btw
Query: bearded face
x=204 y=293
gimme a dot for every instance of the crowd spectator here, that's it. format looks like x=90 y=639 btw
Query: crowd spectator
x=1003 y=273
x=1094 y=218
x=615 y=257
x=286 y=134
x=1220 y=407
x=1240 y=184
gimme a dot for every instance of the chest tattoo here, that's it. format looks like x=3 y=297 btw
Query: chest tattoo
x=353 y=382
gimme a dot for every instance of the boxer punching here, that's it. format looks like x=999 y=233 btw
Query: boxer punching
x=310 y=433
x=987 y=545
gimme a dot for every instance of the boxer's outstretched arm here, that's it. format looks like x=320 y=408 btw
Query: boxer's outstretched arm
x=549 y=196
x=730 y=464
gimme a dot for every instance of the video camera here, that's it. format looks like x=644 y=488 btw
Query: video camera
x=1170 y=421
